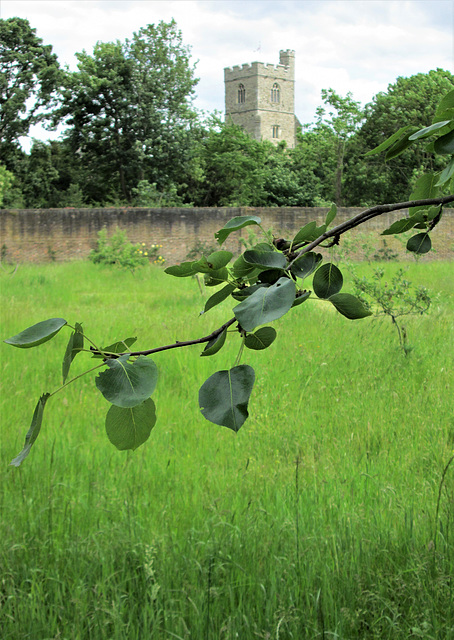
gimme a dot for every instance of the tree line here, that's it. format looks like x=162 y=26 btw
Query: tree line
x=131 y=135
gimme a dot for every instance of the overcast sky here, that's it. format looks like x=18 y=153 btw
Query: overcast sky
x=348 y=45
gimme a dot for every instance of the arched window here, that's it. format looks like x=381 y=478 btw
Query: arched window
x=275 y=131
x=275 y=93
x=241 y=94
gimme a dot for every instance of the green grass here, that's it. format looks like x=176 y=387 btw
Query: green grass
x=317 y=520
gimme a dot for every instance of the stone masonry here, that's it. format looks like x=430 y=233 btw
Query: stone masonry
x=261 y=98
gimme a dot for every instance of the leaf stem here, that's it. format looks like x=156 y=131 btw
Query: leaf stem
x=98 y=366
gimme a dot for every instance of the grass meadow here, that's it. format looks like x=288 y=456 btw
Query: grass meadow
x=317 y=520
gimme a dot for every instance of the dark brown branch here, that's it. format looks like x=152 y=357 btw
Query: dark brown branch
x=362 y=217
x=177 y=344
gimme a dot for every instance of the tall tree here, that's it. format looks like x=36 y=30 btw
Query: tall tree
x=322 y=145
x=29 y=77
x=414 y=100
x=128 y=108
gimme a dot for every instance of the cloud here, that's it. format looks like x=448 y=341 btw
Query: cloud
x=359 y=46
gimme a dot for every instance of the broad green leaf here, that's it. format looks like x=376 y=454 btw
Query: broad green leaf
x=305 y=233
x=349 y=306
x=128 y=428
x=215 y=345
x=389 y=141
x=239 y=222
x=420 y=243
x=301 y=296
x=117 y=347
x=425 y=188
x=183 y=270
x=327 y=280
x=269 y=276
x=224 y=397
x=127 y=384
x=445 y=104
x=37 y=334
x=242 y=294
x=418 y=220
x=267 y=259
x=446 y=174
x=241 y=268
x=218 y=297
x=400 y=145
x=215 y=278
x=214 y=261
x=261 y=339
x=444 y=145
x=307 y=264
x=331 y=215
x=428 y=131
x=33 y=432
x=266 y=304
x=75 y=345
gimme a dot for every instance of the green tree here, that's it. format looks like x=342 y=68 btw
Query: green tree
x=321 y=147
x=29 y=78
x=128 y=109
x=409 y=100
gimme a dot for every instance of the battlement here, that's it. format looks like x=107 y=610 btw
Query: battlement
x=285 y=67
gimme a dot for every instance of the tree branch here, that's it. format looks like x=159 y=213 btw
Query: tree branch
x=362 y=217
x=175 y=345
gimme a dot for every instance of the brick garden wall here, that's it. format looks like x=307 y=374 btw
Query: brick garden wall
x=70 y=234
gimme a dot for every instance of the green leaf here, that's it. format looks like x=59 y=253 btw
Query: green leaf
x=34 y=430
x=218 y=297
x=215 y=278
x=305 y=233
x=214 y=261
x=224 y=397
x=444 y=145
x=128 y=428
x=308 y=233
x=425 y=187
x=445 y=104
x=261 y=339
x=331 y=215
x=266 y=259
x=389 y=141
x=117 y=347
x=418 y=220
x=215 y=345
x=349 y=306
x=127 y=384
x=400 y=145
x=241 y=268
x=306 y=264
x=75 y=345
x=242 y=294
x=446 y=174
x=327 y=280
x=420 y=243
x=400 y=226
x=239 y=222
x=266 y=304
x=37 y=334
x=428 y=131
x=301 y=296
x=183 y=270
x=269 y=276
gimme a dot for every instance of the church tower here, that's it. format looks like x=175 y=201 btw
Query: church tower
x=261 y=98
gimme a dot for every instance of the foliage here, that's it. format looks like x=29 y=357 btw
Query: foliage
x=117 y=250
x=6 y=179
x=408 y=102
x=30 y=76
x=128 y=112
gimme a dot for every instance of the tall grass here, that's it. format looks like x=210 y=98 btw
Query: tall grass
x=317 y=520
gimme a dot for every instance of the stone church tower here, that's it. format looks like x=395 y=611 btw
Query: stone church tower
x=261 y=98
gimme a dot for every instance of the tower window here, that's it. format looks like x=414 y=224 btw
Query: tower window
x=275 y=93
x=275 y=131
x=241 y=94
